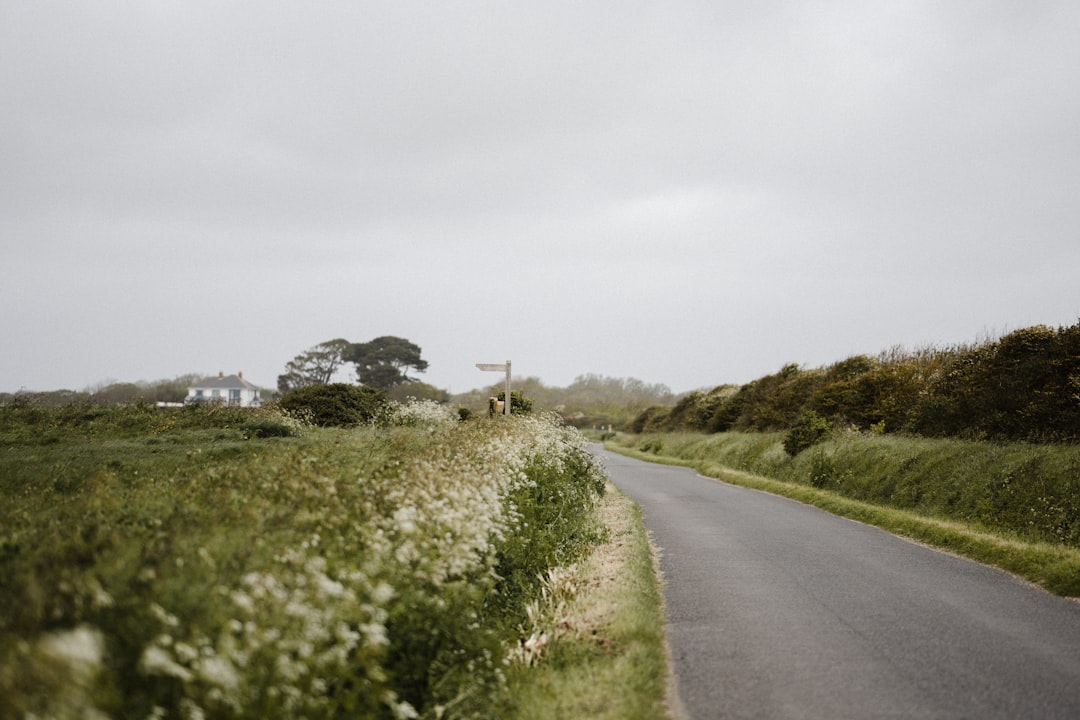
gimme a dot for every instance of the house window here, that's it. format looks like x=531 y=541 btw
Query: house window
x=234 y=396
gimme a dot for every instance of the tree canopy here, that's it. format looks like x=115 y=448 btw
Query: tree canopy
x=315 y=366
x=383 y=362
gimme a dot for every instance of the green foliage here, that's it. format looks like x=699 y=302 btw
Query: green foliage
x=1031 y=491
x=172 y=390
x=651 y=419
x=380 y=363
x=598 y=634
x=271 y=427
x=419 y=391
x=822 y=469
x=841 y=394
x=336 y=404
x=590 y=401
x=30 y=423
x=777 y=400
x=557 y=507
x=729 y=410
x=315 y=366
x=685 y=415
x=334 y=574
x=694 y=411
x=653 y=445
x=383 y=362
x=519 y=404
x=1053 y=565
x=809 y=430
x=1024 y=386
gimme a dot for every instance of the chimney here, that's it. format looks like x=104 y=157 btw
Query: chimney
x=220 y=374
x=240 y=374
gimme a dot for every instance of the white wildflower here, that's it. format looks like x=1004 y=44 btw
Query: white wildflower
x=382 y=593
x=185 y=653
x=81 y=649
x=190 y=710
x=162 y=615
x=158 y=661
x=220 y=672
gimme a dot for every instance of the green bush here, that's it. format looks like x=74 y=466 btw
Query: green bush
x=653 y=445
x=1023 y=386
x=519 y=404
x=650 y=419
x=809 y=430
x=728 y=411
x=336 y=404
x=685 y=415
x=265 y=427
x=843 y=396
x=556 y=508
x=781 y=398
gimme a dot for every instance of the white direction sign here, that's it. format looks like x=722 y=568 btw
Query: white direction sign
x=500 y=367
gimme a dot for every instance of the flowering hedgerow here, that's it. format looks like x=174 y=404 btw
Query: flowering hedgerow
x=426 y=413
x=290 y=587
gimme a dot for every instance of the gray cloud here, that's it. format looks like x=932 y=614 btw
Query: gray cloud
x=688 y=193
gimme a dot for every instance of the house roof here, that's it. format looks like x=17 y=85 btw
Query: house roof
x=224 y=382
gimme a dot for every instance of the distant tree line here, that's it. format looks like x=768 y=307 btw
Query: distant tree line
x=172 y=391
x=1024 y=386
x=590 y=401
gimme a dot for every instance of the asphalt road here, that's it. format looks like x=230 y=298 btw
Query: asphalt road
x=776 y=609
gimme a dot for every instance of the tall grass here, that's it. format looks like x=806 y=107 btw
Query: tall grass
x=178 y=564
x=593 y=646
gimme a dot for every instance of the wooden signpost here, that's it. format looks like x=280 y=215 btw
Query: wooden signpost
x=500 y=367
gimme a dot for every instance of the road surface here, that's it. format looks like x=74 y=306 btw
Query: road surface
x=776 y=609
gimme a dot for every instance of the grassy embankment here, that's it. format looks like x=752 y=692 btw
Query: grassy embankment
x=1012 y=505
x=223 y=563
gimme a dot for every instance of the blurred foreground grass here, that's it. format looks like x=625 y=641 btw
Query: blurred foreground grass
x=221 y=563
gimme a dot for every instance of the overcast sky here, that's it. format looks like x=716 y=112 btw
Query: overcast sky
x=687 y=193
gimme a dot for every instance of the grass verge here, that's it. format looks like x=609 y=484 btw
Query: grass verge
x=596 y=645
x=1054 y=567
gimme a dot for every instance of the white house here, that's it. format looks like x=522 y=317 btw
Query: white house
x=225 y=389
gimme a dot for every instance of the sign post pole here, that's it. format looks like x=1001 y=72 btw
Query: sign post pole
x=500 y=367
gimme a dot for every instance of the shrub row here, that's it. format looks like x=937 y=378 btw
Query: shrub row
x=27 y=421
x=1023 y=386
x=1018 y=488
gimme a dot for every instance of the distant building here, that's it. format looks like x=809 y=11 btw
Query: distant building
x=224 y=389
